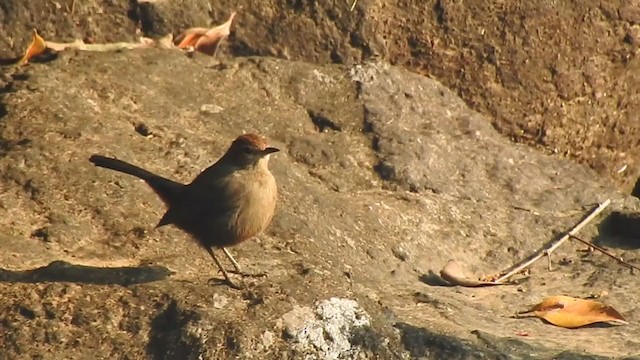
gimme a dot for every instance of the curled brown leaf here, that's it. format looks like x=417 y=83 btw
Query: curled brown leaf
x=37 y=47
x=206 y=41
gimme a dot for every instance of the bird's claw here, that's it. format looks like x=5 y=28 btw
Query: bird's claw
x=228 y=282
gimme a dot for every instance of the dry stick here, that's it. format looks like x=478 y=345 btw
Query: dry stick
x=81 y=45
x=551 y=248
x=618 y=259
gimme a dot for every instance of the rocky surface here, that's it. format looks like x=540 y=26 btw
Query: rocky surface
x=384 y=176
x=560 y=76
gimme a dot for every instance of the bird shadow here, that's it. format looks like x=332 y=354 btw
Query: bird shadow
x=62 y=271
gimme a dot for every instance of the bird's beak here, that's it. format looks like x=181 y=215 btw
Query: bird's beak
x=270 y=150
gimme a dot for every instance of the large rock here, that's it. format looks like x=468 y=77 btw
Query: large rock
x=535 y=68
x=385 y=176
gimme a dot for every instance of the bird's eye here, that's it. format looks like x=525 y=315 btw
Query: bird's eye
x=247 y=150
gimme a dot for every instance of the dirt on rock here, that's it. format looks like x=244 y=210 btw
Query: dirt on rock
x=385 y=175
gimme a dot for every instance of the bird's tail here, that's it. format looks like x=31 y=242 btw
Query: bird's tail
x=168 y=190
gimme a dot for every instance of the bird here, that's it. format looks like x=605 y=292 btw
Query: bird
x=229 y=202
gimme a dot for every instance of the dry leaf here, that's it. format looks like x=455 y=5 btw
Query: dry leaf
x=37 y=47
x=453 y=273
x=570 y=312
x=205 y=40
x=189 y=37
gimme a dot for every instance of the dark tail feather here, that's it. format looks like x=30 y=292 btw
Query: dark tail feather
x=168 y=190
x=121 y=166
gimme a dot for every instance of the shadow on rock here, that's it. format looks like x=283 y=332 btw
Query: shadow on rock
x=169 y=337
x=46 y=57
x=424 y=343
x=433 y=279
x=9 y=61
x=620 y=230
x=62 y=271
x=636 y=189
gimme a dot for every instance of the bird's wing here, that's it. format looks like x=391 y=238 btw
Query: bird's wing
x=210 y=198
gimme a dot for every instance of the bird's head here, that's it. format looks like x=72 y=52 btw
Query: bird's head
x=250 y=150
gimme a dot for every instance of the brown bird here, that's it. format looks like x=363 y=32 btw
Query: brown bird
x=231 y=201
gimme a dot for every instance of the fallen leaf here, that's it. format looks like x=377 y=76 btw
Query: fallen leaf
x=205 y=40
x=190 y=37
x=453 y=273
x=570 y=312
x=37 y=47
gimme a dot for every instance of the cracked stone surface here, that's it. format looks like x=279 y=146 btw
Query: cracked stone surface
x=391 y=166
x=338 y=228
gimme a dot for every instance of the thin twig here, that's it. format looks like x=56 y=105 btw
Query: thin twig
x=618 y=259
x=555 y=245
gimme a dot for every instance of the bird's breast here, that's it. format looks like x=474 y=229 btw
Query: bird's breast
x=256 y=206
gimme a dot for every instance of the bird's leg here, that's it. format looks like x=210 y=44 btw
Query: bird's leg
x=237 y=266
x=224 y=272
x=233 y=261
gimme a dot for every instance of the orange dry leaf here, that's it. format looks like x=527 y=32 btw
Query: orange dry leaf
x=570 y=312
x=37 y=47
x=205 y=40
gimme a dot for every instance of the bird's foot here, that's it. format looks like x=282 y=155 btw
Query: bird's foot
x=228 y=282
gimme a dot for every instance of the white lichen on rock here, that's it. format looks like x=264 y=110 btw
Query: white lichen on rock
x=326 y=331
